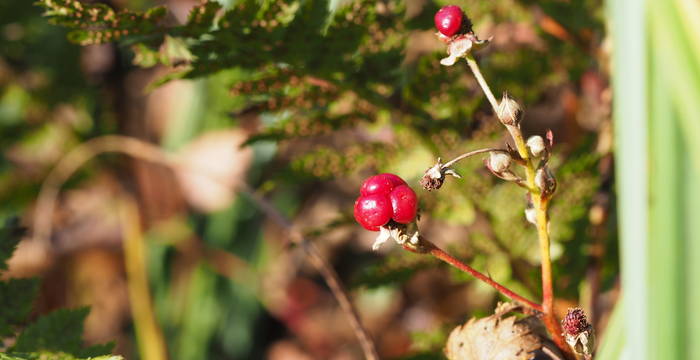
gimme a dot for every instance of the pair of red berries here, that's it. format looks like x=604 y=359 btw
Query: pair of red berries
x=385 y=197
x=449 y=20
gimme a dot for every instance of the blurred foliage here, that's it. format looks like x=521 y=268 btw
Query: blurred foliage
x=339 y=90
x=57 y=335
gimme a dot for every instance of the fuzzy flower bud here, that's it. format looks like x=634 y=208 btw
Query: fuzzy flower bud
x=536 y=145
x=499 y=162
x=509 y=111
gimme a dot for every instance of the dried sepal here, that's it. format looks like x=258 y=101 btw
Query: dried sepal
x=461 y=46
x=548 y=144
x=403 y=234
x=545 y=182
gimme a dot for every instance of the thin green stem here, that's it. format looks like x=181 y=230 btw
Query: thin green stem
x=471 y=153
x=474 y=66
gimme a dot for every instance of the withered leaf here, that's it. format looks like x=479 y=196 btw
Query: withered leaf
x=494 y=338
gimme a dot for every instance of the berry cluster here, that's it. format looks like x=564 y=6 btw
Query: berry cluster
x=385 y=197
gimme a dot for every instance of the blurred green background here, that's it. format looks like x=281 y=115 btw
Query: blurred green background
x=304 y=99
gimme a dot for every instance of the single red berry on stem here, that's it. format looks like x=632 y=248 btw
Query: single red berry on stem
x=404 y=204
x=448 y=20
x=373 y=211
x=380 y=184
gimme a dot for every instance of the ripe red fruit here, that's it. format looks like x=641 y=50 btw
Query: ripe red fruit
x=404 y=204
x=373 y=211
x=380 y=184
x=395 y=179
x=449 y=19
x=382 y=198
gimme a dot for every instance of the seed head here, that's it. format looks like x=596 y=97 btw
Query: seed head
x=575 y=322
x=578 y=332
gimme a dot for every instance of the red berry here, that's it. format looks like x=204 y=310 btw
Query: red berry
x=394 y=179
x=404 y=204
x=373 y=211
x=380 y=184
x=448 y=20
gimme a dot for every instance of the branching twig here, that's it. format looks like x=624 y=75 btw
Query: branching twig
x=540 y=205
x=471 y=153
x=145 y=151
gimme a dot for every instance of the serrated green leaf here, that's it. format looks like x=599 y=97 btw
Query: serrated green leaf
x=16 y=299
x=61 y=331
x=202 y=17
x=10 y=235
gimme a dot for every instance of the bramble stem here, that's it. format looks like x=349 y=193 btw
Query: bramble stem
x=434 y=250
x=540 y=204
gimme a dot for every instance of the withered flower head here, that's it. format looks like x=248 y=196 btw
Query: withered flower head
x=575 y=322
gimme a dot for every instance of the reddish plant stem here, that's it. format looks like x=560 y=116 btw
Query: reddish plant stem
x=432 y=249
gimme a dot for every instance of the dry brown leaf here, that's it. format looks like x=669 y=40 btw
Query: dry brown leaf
x=494 y=338
x=211 y=167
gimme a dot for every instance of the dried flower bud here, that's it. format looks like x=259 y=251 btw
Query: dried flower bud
x=499 y=162
x=531 y=215
x=406 y=235
x=509 y=112
x=578 y=332
x=536 y=145
x=544 y=180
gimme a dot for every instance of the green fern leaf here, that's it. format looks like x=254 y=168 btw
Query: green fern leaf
x=10 y=235
x=59 y=331
x=16 y=299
